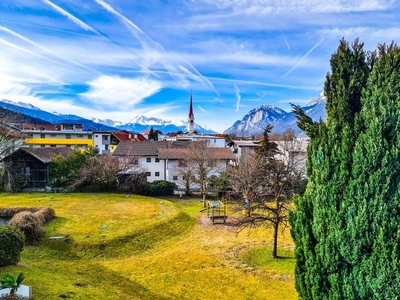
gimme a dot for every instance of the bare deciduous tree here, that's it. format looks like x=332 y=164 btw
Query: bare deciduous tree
x=205 y=164
x=10 y=140
x=266 y=182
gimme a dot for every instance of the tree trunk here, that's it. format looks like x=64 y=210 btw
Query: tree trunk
x=274 y=253
x=204 y=191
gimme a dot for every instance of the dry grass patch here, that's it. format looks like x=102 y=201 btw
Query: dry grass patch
x=145 y=254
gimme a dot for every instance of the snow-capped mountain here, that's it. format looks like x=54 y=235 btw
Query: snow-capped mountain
x=255 y=121
x=141 y=123
x=137 y=124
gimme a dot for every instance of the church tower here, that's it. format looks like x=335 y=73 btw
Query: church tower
x=190 y=126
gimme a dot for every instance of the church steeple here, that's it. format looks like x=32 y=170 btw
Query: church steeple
x=190 y=126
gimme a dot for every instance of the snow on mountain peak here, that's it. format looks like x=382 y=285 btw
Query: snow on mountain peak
x=21 y=104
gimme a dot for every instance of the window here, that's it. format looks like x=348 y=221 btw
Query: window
x=157 y=174
x=53 y=146
x=68 y=136
x=42 y=146
x=135 y=161
x=79 y=135
x=96 y=135
x=148 y=173
x=175 y=177
x=42 y=135
x=53 y=135
x=105 y=147
x=106 y=138
x=157 y=159
x=25 y=171
x=89 y=136
x=148 y=159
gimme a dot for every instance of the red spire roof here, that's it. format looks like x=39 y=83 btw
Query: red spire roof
x=191 y=115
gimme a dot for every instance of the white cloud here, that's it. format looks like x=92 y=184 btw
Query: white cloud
x=238 y=96
x=114 y=90
x=300 y=6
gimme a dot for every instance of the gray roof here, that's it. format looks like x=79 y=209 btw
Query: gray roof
x=185 y=153
x=145 y=148
x=45 y=154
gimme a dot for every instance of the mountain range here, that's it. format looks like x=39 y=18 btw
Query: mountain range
x=253 y=123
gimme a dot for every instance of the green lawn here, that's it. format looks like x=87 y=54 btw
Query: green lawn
x=149 y=249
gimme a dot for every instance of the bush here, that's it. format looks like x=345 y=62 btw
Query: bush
x=160 y=188
x=11 y=245
x=45 y=215
x=30 y=225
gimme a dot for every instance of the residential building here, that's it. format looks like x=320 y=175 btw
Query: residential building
x=160 y=159
x=124 y=136
x=63 y=135
x=178 y=160
x=101 y=141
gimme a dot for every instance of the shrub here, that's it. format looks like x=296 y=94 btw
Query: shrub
x=45 y=215
x=30 y=224
x=160 y=188
x=11 y=245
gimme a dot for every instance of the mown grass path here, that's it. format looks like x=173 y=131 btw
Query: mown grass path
x=148 y=249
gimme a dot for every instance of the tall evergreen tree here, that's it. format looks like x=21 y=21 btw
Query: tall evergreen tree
x=317 y=225
x=372 y=211
x=151 y=134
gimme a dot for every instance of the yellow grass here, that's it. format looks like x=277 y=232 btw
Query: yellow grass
x=148 y=250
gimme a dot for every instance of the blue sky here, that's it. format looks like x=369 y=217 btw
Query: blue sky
x=118 y=59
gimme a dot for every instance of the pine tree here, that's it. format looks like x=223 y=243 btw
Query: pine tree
x=151 y=134
x=317 y=226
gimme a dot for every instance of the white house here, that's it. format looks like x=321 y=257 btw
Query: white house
x=160 y=159
x=101 y=141
x=179 y=160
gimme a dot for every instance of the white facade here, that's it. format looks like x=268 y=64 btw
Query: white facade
x=213 y=141
x=173 y=173
x=154 y=167
x=101 y=141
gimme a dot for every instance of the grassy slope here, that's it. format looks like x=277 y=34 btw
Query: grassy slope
x=142 y=254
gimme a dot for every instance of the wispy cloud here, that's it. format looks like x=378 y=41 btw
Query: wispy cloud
x=109 y=91
x=2 y=28
x=238 y=96
x=287 y=44
x=202 y=109
x=148 y=44
x=300 y=6
x=25 y=50
x=70 y=16
x=303 y=57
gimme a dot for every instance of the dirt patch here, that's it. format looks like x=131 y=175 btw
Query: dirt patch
x=229 y=225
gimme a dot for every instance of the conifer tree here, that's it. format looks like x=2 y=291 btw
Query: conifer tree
x=372 y=211
x=317 y=226
x=151 y=134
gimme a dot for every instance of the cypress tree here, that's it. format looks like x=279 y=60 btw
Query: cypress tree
x=372 y=211
x=317 y=224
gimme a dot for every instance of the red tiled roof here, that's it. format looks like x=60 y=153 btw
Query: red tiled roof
x=126 y=136
x=40 y=127
x=147 y=132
